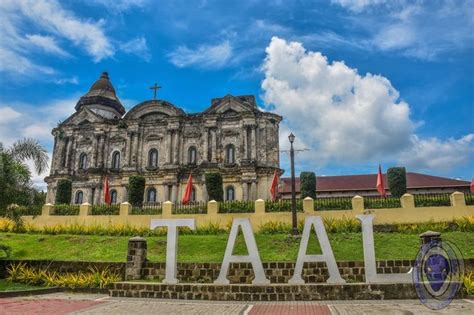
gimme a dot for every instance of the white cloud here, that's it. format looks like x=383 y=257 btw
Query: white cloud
x=121 y=5
x=421 y=29
x=358 y=5
x=435 y=154
x=36 y=121
x=18 y=48
x=138 y=47
x=204 y=56
x=342 y=116
x=8 y=114
x=85 y=34
x=48 y=44
x=71 y=80
x=347 y=116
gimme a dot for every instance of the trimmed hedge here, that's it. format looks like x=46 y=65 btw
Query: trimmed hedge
x=397 y=181
x=64 y=192
x=136 y=190
x=214 y=186
x=308 y=185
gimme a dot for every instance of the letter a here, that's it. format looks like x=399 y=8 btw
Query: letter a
x=327 y=254
x=253 y=257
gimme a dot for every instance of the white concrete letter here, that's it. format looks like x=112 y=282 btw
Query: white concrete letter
x=253 y=257
x=327 y=255
x=371 y=275
x=172 y=243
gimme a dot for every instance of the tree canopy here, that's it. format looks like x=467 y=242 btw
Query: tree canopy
x=15 y=177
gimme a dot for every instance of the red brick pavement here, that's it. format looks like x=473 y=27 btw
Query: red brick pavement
x=43 y=306
x=269 y=309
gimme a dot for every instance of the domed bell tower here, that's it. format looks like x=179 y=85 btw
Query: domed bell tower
x=102 y=99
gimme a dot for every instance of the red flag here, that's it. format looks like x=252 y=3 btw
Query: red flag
x=107 y=199
x=472 y=185
x=274 y=186
x=188 y=191
x=380 y=187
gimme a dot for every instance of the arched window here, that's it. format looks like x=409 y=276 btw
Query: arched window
x=116 y=160
x=230 y=154
x=192 y=155
x=193 y=195
x=113 y=196
x=151 y=195
x=153 y=158
x=230 y=193
x=79 y=197
x=83 y=161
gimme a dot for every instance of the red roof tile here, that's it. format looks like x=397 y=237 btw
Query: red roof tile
x=368 y=182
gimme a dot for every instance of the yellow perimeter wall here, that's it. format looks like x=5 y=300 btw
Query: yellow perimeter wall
x=406 y=214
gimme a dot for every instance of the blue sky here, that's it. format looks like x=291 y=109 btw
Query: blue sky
x=360 y=82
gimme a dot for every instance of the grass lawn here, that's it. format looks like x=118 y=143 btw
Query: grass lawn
x=210 y=248
x=12 y=286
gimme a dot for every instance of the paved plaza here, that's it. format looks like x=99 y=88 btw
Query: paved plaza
x=67 y=303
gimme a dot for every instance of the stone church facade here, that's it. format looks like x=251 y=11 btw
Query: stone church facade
x=160 y=141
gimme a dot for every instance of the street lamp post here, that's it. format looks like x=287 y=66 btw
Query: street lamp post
x=294 y=221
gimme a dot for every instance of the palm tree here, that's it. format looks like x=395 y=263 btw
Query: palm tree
x=29 y=149
x=15 y=177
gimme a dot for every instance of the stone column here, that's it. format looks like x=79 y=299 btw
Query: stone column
x=136 y=137
x=100 y=161
x=244 y=142
x=136 y=258
x=245 y=191
x=95 y=149
x=62 y=153
x=174 y=193
x=254 y=143
x=205 y=147
x=213 y=146
x=68 y=152
x=176 y=147
x=169 y=146
x=73 y=154
x=128 y=150
x=253 y=190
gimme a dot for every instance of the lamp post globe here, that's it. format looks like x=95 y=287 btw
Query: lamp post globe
x=291 y=137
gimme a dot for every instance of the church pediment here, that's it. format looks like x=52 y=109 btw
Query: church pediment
x=232 y=106
x=153 y=110
x=83 y=118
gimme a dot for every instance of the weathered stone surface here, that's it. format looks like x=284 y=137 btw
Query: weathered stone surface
x=269 y=292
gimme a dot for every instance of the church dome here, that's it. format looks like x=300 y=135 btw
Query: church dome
x=101 y=96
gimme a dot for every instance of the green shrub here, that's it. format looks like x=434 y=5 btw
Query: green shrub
x=333 y=203
x=468 y=281
x=136 y=190
x=113 y=209
x=63 y=192
x=92 y=278
x=397 y=181
x=308 y=185
x=66 y=209
x=283 y=205
x=214 y=186
x=236 y=206
x=432 y=200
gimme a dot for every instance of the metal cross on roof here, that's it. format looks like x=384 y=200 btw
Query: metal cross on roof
x=155 y=88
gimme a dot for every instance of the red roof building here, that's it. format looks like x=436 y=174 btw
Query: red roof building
x=365 y=185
